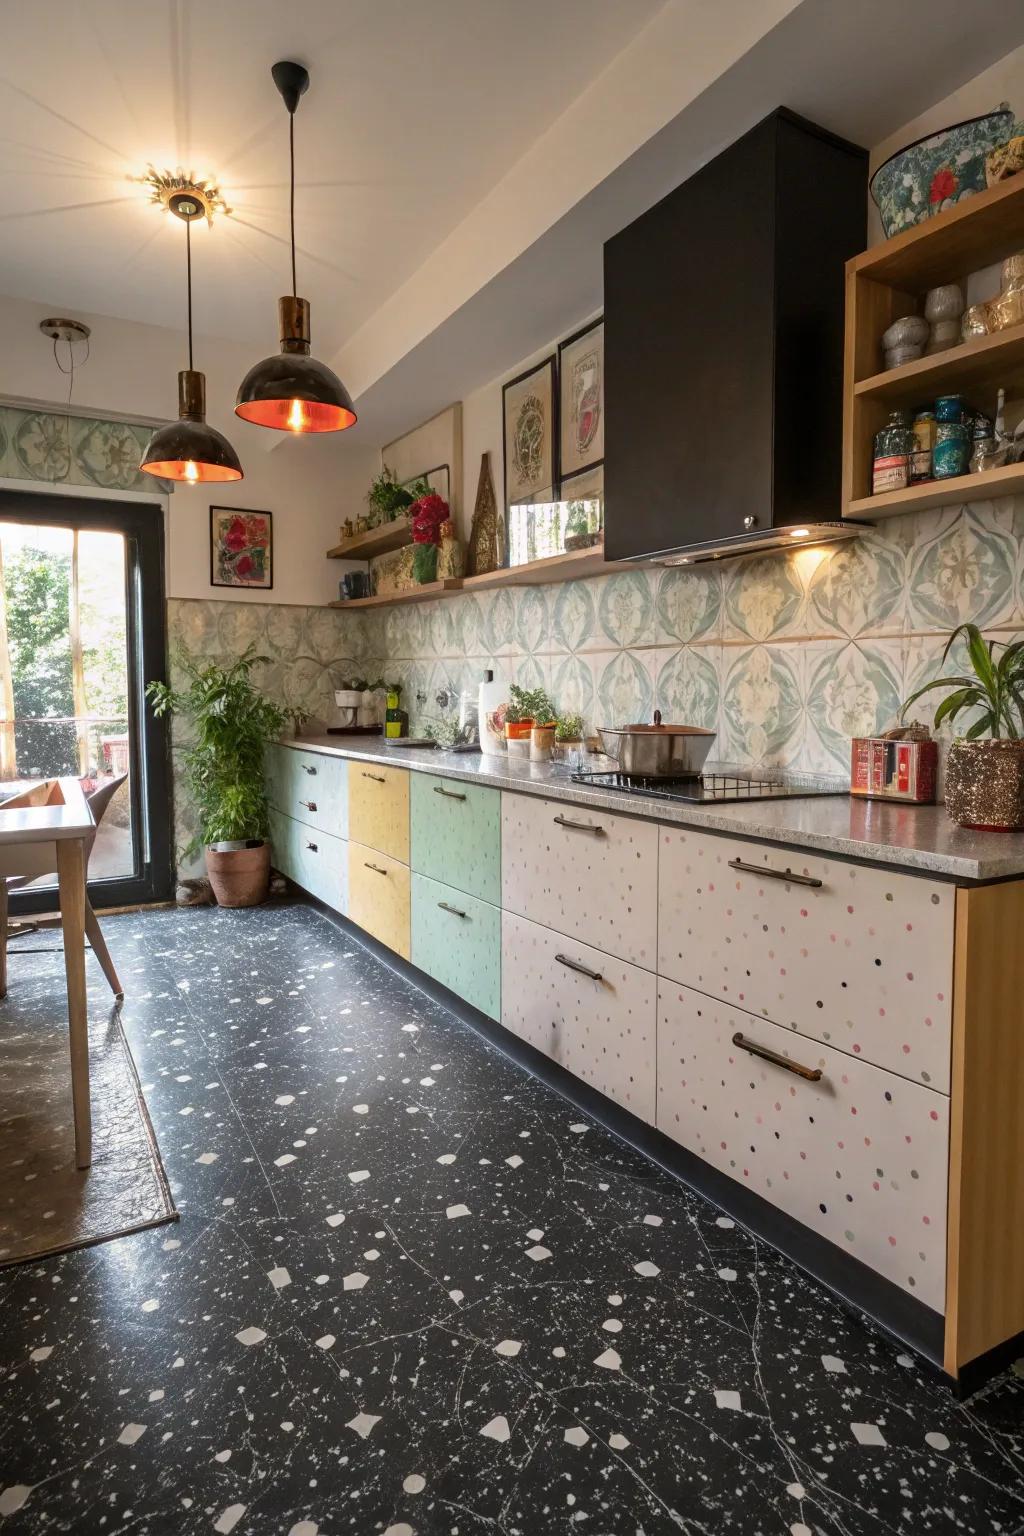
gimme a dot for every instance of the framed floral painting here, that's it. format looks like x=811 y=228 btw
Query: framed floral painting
x=241 y=548
x=530 y=421
x=581 y=410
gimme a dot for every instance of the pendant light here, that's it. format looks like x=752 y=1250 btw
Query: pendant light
x=293 y=392
x=188 y=449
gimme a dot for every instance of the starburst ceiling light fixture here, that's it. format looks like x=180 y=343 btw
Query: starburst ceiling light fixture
x=188 y=449
x=293 y=392
x=165 y=185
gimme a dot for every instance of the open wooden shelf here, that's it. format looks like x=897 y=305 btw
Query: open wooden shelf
x=1008 y=481
x=375 y=541
x=889 y=281
x=983 y=362
x=422 y=594
x=571 y=565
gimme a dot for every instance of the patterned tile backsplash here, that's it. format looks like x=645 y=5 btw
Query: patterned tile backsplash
x=74 y=450
x=786 y=656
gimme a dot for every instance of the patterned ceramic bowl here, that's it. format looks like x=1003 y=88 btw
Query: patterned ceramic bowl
x=934 y=173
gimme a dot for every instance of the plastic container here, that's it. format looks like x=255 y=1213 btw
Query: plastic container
x=491 y=715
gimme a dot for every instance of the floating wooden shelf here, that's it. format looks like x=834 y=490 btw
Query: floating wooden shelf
x=422 y=594
x=889 y=281
x=572 y=565
x=375 y=541
x=1008 y=481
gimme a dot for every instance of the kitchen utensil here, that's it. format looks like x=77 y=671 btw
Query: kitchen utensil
x=657 y=751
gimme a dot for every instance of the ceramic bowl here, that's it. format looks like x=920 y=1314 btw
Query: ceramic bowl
x=932 y=174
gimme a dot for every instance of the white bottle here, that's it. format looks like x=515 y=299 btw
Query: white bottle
x=492 y=715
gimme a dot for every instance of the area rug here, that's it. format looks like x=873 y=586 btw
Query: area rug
x=47 y=1205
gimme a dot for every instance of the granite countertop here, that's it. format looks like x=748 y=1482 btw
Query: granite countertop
x=911 y=837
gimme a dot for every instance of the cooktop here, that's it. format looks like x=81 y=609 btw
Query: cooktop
x=705 y=788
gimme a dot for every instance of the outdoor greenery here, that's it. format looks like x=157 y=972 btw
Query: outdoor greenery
x=528 y=704
x=232 y=723
x=996 y=687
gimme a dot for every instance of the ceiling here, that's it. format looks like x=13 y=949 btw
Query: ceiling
x=416 y=108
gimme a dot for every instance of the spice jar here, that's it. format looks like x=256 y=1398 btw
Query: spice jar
x=952 y=449
x=924 y=446
x=893 y=447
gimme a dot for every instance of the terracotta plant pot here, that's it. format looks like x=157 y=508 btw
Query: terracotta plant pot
x=985 y=785
x=518 y=730
x=239 y=873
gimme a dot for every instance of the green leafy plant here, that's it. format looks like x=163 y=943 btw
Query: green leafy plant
x=569 y=728
x=996 y=687
x=232 y=723
x=387 y=498
x=528 y=704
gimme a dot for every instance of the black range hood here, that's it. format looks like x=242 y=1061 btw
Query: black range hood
x=724 y=351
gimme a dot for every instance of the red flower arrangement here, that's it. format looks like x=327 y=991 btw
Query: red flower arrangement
x=944 y=184
x=426 y=517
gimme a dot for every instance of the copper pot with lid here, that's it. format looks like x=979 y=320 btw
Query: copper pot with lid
x=657 y=751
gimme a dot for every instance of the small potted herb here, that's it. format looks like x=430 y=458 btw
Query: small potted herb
x=985 y=766
x=526 y=708
x=387 y=499
x=568 y=734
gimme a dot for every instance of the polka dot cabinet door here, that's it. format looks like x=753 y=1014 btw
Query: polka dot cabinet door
x=859 y=1155
x=588 y=874
x=592 y=1014
x=859 y=958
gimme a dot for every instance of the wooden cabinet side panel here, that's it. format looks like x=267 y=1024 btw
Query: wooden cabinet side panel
x=985 y=1252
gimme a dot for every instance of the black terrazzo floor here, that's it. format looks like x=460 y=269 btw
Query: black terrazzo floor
x=413 y=1291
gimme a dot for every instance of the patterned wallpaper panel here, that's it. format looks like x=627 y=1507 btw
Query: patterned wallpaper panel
x=74 y=450
x=785 y=655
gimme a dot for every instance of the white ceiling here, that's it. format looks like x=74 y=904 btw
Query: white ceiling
x=416 y=108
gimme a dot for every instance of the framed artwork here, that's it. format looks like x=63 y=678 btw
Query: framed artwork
x=241 y=548
x=530 y=435
x=581 y=409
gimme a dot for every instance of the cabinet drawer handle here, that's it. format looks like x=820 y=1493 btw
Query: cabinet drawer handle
x=776 y=874
x=375 y=867
x=810 y=1074
x=584 y=970
x=378 y=778
x=449 y=794
x=579 y=826
x=309 y=804
x=307 y=768
x=312 y=847
x=446 y=907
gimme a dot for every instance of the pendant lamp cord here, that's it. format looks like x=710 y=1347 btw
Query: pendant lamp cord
x=188 y=268
x=291 y=156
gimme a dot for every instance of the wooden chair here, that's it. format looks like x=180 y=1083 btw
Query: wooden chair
x=98 y=802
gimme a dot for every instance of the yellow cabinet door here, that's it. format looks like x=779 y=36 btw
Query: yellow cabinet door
x=378 y=897
x=378 y=808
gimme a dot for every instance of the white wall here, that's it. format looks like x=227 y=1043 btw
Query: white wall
x=311 y=485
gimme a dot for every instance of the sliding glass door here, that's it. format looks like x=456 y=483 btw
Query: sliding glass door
x=82 y=631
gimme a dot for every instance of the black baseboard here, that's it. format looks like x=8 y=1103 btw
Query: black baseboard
x=859 y=1288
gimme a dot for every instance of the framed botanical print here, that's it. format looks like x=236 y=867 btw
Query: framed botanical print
x=581 y=408
x=530 y=435
x=241 y=548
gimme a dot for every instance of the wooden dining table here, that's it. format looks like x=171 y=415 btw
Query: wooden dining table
x=48 y=828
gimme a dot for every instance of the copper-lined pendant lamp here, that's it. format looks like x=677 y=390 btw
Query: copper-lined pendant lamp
x=189 y=449
x=293 y=392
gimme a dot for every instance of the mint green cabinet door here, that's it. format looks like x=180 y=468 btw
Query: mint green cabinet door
x=456 y=834
x=457 y=939
x=311 y=787
x=283 y=844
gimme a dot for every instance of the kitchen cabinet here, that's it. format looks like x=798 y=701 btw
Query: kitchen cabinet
x=584 y=1009
x=590 y=875
x=723 y=335
x=859 y=1155
x=456 y=834
x=859 y=958
x=456 y=938
x=378 y=808
x=379 y=896
x=310 y=787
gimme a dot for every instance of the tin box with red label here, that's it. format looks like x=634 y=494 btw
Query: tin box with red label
x=900 y=766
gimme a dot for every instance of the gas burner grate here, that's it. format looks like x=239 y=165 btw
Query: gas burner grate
x=703 y=788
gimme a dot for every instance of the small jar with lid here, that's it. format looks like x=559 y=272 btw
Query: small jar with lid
x=893 y=447
x=924 y=446
x=949 y=408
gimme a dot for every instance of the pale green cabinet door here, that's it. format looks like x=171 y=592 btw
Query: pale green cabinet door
x=283 y=844
x=311 y=787
x=457 y=939
x=456 y=834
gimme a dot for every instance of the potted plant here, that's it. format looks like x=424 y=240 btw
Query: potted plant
x=232 y=724
x=526 y=708
x=426 y=516
x=568 y=734
x=985 y=766
x=387 y=499
x=296 y=717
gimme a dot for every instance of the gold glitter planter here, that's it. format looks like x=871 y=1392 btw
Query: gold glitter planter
x=985 y=785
